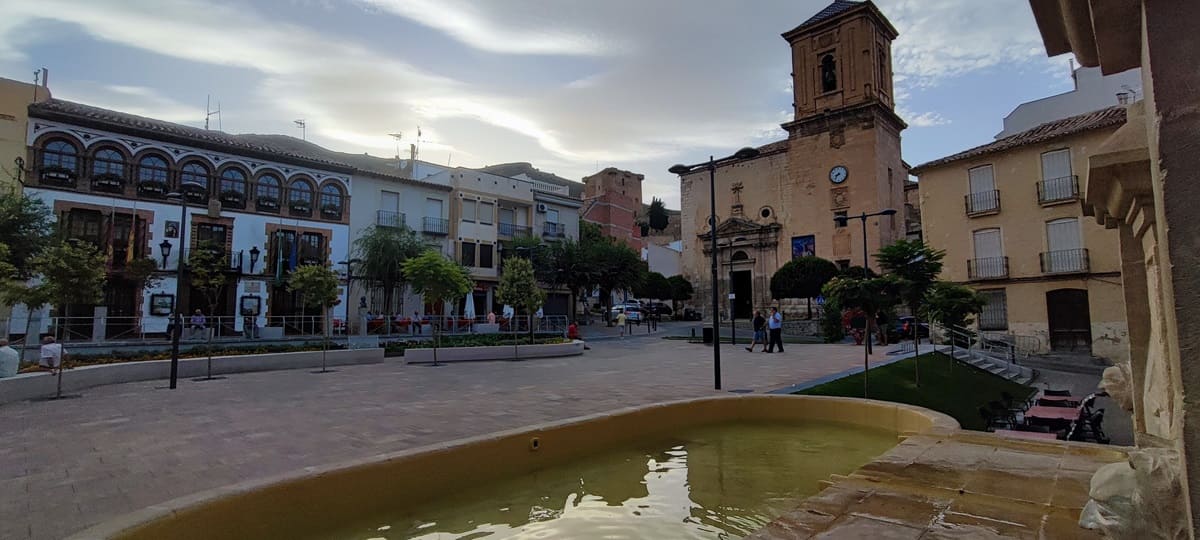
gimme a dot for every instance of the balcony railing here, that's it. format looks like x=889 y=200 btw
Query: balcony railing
x=554 y=229
x=386 y=218
x=435 y=225
x=512 y=231
x=983 y=202
x=987 y=268
x=1058 y=190
x=1065 y=261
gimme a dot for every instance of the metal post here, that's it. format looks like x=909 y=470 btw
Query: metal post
x=712 y=220
x=183 y=226
x=867 y=345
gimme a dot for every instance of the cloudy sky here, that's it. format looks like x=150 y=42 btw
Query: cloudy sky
x=569 y=85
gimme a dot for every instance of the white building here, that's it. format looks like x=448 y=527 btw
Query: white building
x=663 y=259
x=1093 y=91
x=106 y=176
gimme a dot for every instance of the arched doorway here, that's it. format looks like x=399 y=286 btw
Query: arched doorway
x=741 y=284
x=1069 y=320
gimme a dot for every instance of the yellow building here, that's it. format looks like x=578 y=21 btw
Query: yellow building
x=841 y=158
x=15 y=97
x=1008 y=216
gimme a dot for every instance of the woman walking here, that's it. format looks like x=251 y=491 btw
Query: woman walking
x=760 y=332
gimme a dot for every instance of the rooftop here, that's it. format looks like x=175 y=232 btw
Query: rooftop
x=1110 y=116
x=836 y=10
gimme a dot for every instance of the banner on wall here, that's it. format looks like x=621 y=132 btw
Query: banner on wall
x=804 y=246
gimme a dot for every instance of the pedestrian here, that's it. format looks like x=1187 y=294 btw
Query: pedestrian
x=621 y=322
x=198 y=323
x=51 y=354
x=775 y=330
x=250 y=327
x=10 y=360
x=491 y=317
x=416 y=323
x=760 y=331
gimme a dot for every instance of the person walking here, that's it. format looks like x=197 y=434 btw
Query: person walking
x=760 y=331
x=198 y=324
x=621 y=322
x=10 y=360
x=51 y=354
x=775 y=328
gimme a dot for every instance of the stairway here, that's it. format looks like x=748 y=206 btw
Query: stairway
x=990 y=363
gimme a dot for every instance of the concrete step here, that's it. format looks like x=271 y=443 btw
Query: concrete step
x=1074 y=364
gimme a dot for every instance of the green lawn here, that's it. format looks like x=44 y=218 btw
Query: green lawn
x=958 y=391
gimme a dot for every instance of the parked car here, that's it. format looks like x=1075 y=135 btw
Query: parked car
x=659 y=308
x=690 y=314
x=632 y=313
x=903 y=328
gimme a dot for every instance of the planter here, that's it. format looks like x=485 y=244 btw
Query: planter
x=300 y=208
x=493 y=352
x=58 y=176
x=334 y=212
x=108 y=182
x=232 y=198
x=267 y=204
x=152 y=189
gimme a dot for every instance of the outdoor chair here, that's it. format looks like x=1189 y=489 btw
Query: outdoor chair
x=1089 y=428
x=1001 y=411
x=1057 y=403
x=1013 y=404
x=991 y=421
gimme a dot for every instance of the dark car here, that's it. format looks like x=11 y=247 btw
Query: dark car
x=659 y=308
x=904 y=328
x=690 y=314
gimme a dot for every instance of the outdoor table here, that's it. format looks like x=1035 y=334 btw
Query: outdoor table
x=1026 y=434
x=1052 y=413
x=1058 y=398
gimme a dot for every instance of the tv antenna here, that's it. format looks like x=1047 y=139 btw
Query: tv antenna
x=397 y=135
x=209 y=112
x=303 y=128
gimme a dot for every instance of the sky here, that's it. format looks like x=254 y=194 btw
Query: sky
x=571 y=86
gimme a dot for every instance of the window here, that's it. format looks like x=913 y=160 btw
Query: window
x=765 y=212
x=331 y=201
x=108 y=161
x=282 y=251
x=311 y=248
x=233 y=187
x=267 y=191
x=1064 y=248
x=1058 y=184
x=196 y=174
x=468 y=254
x=989 y=259
x=551 y=215
x=433 y=208
x=487 y=212
x=485 y=255
x=152 y=169
x=828 y=73
x=995 y=312
x=506 y=216
x=983 y=196
x=839 y=218
x=211 y=236
x=300 y=196
x=881 y=76
x=468 y=210
x=843 y=264
x=61 y=155
x=85 y=225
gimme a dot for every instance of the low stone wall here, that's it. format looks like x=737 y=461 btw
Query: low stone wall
x=36 y=385
x=493 y=352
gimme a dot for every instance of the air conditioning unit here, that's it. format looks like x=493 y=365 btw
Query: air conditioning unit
x=541 y=208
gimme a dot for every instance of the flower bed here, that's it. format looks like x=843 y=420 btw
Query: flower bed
x=200 y=351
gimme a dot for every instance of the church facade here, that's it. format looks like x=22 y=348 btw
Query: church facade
x=841 y=158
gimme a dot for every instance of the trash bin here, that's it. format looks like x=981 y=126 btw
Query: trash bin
x=708 y=335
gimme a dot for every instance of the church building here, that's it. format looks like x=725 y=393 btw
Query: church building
x=841 y=158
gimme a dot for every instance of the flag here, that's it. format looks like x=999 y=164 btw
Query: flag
x=133 y=230
x=292 y=259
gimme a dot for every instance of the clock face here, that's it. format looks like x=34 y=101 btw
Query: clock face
x=838 y=174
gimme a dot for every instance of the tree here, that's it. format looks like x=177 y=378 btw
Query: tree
x=871 y=295
x=655 y=286
x=519 y=289
x=618 y=267
x=382 y=252
x=802 y=277
x=207 y=265
x=26 y=227
x=439 y=280
x=917 y=265
x=318 y=288
x=657 y=217
x=142 y=272
x=568 y=266
x=855 y=272
x=681 y=291
x=70 y=272
x=951 y=305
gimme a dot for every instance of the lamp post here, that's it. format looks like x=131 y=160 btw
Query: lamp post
x=863 y=218
x=165 y=250
x=711 y=166
x=254 y=253
x=178 y=327
x=349 y=280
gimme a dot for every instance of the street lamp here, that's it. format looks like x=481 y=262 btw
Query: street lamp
x=165 y=250
x=349 y=279
x=183 y=226
x=841 y=220
x=711 y=166
x=254 y=253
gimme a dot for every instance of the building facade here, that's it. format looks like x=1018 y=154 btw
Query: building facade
x=107 y=177
x=612 y=199
x=15 y=98
x=1020 y=237
x=841 y=158
x=1093 y=91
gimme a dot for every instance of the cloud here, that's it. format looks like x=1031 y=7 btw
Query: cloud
x=920 y=120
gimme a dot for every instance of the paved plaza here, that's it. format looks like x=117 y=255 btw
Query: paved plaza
x=66 y=465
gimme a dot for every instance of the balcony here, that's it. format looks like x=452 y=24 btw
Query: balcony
x=1065 y=261
x=300 y=207
x=1058 y=190
x=435 y=225
x=987 y=268
x=385 y=218
x=557 y=230
x=513 y=231
x=982 y=203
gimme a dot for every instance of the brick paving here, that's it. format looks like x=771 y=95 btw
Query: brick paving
x=66 y=465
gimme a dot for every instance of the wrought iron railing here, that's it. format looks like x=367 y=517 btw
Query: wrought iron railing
x=1058 y=190
x=385 y=218
x=987 y=268
x=554 y=229
x=1065 y=261
x=510 y=230
x=982 y=202
x=435 y=225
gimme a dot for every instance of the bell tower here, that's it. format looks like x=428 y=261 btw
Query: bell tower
x=844 y=138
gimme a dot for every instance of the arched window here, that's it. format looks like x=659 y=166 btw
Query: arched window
x=60 y=162
x=266 y=193
x=331 y=202
x=108 y=170
x=739 y=256
x=152 y=176
x=300 y=197
x=193 y=177
x=828 y=73
x=233 y=188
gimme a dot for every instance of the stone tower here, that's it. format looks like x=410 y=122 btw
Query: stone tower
x=612 y=199
x=844 y=141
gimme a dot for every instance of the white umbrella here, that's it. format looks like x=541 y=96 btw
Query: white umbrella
x=469 y=308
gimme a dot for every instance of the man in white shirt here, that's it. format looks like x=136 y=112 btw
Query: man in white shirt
x=775 y=330
x=10 y=360
x=51 y=354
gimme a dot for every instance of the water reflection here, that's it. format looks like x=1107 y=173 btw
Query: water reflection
x=713 y=482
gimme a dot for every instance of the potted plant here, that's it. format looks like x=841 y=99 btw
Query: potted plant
x=300 y=207
x=107 y=182
x=195 y=194
x=152 y=188
x=268 y=203
x=331 y=210
x=60 y=176
x=232 y=197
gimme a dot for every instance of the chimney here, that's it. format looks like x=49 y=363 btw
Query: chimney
x=45 y=78
x=1123 y=98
